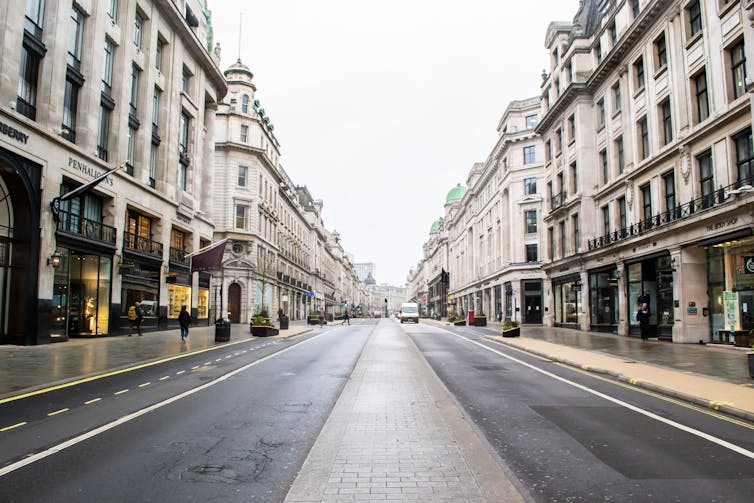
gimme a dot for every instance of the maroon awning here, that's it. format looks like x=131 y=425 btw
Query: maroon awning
x=209 y=258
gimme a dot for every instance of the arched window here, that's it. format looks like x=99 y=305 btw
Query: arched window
x=245 y=104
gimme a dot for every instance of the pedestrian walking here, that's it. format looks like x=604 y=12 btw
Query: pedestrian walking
x=321 y=315
x=642 y=316
x=136 y=316
x=346 y=318
x=184 y=320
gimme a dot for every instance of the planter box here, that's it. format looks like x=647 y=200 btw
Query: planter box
x=742 y=340
x=480 y=321
x=263 y=330
x=512 y=332
x=460 y=323
x=312 y=321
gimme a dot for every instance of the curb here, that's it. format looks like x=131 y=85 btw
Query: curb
x=719 y=407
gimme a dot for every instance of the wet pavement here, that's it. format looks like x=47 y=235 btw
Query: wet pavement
x=29 y=367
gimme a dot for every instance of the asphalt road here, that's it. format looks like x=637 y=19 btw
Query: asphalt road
x=572 y=436
x=231 y=424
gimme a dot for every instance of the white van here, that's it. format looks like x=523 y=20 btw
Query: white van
x=409 y=312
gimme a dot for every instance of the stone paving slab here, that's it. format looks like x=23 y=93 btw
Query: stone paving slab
x=396 y=435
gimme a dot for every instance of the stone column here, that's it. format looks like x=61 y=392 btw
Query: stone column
x=624 y=310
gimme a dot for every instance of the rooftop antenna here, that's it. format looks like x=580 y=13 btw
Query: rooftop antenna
x=240 y=24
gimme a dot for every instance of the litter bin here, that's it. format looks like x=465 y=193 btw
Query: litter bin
x=222 y=330
x=284 y=322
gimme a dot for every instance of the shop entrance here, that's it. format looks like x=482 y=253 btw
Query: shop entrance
x=532 y=301
x=651 y=281
x=234 y=303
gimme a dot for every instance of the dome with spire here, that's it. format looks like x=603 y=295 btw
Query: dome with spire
x=238 y=67
x=436 y=225
x=456 y=193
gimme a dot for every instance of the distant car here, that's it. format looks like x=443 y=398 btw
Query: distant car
x=409 y=312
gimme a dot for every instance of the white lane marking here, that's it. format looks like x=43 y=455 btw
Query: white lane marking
x=58 y=412
x=687 y=429
x=164 y=377
x=130 y=417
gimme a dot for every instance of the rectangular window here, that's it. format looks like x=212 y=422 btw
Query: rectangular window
x=185 y=77
x=702 y=99
x=616 y=97
x=646 y=204
x=242 y=172
x=706 y=178
x=35 y=13
x=244 y=134
x=694 y=12
x=70 y=105
x=241 y=216
x=529 y=157
x=639 y=74
x=107 y=69
x=622 y=216
x=634 y=6
x=605 y=220
x=643 y=132
x=183 y=131
x=576 y=232
x=738 y=69
x=531 y=253
x=138 y=29
x=103 y=133
x=612 y=34
x=600 y=114
x=134 y=100
x=563 y=238
x=75 y=38
x=574 y=178
x=153 y=151
x=112 y=10
x=559 y=139
x=551 y=243
x=158 y=52
x=744 y=158
x=572 y=128
x=605 y=167
x=620 y=155
x=530 y=186
x=667 y=122
x=156 y=109
x=530 y=216
x=548 y=151
x=661 y=52
x=669 y=181
x=131 y=151
x=531 y=121
x=26 y=104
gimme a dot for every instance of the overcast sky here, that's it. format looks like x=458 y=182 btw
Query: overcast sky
x=382 y=107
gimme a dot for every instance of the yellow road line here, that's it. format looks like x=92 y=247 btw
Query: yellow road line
x=92 y=401
x=58 y=412
x=144 y=385
x=120 y=392
x=17 y=425
x=117 y=372
x=665 y=398
x=165 y=377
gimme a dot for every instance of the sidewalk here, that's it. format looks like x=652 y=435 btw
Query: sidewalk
x=710 y=376
x=395 y=434
x=28 y=367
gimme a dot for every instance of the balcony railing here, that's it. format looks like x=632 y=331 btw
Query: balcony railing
x=558 y=200
x=70 y=223
x=682 y=212
x=178 y=256
x=142 y=245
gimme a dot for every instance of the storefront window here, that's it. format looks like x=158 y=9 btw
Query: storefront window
x=508 y=301
x=568 y=302
x=603 y=298
x=728 y=272
x=202 y=308
x=178 y=295
x=81 y=294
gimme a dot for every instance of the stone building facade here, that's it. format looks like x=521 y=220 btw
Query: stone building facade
x=91 y=86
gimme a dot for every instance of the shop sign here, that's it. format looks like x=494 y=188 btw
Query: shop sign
x=87 y=170
x=722 y=224
x=749 y=265
x=13 y=133
x=576 y=288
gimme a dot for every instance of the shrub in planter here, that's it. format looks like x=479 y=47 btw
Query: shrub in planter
x=458 y=320
x=511 y=329
x=261 y=326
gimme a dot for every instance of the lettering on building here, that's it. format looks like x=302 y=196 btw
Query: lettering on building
x=14 y=133
x=87 y=170
x=722 y=224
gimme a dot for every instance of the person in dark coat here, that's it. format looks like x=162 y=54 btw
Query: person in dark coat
x=184 y=320
x=346 y=318
x=642 y=316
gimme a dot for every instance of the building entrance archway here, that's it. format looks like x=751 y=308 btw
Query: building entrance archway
x=234 y=303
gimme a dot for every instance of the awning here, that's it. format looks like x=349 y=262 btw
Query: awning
x=209 y=258
x=722 y=238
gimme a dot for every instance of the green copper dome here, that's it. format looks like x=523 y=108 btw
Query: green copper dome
x=436 y=225
x=456 y=193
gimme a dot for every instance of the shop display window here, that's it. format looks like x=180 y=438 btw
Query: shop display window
x=202 y=308
x=178 y=295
